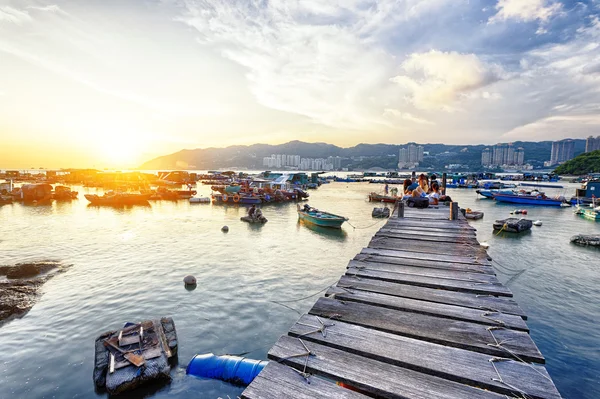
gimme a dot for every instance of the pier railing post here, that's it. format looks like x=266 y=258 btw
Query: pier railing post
x=454 y=211
x=400 y=205
x=444 y=183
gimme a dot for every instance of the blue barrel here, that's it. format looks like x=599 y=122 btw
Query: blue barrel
x=235 y=369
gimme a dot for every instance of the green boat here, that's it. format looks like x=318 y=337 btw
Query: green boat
x=593 y=213
x=320 y=218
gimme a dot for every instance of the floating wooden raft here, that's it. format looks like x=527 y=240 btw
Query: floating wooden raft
x=135 y=355
x=418 y=314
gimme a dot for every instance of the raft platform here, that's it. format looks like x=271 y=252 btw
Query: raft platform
x=419 y=313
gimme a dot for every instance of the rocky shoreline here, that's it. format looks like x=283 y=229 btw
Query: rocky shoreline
x=20 y=286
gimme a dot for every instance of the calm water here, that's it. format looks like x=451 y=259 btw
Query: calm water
x=128 y=265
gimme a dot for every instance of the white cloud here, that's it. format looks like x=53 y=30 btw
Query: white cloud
x=435 y=80
x=12 y=15
x=323 y=60
x=394 y=113
x=49 y=8
x=526 y=10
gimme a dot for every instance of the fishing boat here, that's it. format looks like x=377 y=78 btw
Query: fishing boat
x=112 y=198
x=236 y=199
x=374 y=197
x=587 y=193
x=320 y=218
x=539 y=199
x=63 y=193
x=591 y=213
x=513 y=225
x=489 y=193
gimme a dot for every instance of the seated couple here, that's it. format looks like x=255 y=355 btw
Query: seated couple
x=416 y=190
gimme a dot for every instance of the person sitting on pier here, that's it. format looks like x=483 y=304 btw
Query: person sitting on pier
x=423 y=183
x=412 y=189
x=434 y=196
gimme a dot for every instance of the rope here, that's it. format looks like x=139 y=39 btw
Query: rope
x=308 y=353
x=366 y=227
x=306 y=297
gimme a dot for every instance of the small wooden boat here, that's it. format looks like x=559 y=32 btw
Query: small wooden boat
x=593 y=213
x=581 y=239
x=473 y=215
x=115 y=199
x=374 y=197
x=513 y=225
x=320 y=218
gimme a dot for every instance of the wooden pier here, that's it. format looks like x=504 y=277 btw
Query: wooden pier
x=418 y=314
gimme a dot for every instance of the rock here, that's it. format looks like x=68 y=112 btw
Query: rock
x=225 y=229
x=20 y=291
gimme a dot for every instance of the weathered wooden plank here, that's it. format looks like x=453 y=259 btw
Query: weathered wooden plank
x=456 y=333
x=426 y=224
x=425 y=263
x=278 y=381
x=371 y=376
x=447 y=362
x=432 y=282
x=454 y=274
x=423 y=256
x=465 y=299
x=430 y=231
x=431 y=308
x=413 y=236
x=431 y=249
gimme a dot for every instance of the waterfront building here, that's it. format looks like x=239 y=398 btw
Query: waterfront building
x=562 y=151
x=486 y=157
x=503 y=154
x=592 y=144
x=410 y=156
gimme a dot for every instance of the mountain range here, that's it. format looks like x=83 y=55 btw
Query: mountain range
x=361 y=156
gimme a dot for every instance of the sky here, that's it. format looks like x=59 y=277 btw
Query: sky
x=113 y=83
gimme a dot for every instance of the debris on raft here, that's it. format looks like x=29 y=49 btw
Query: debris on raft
x=135 y=355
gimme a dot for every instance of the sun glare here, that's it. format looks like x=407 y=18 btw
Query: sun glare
x=119 y=148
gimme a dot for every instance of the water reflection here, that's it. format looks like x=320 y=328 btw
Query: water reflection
x=335 y=234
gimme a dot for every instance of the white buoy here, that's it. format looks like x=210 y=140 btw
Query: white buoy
x=189 y=280
x=224 y=229
x=537 y=223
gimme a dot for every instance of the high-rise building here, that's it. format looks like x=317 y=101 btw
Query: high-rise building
x=486 y=157
x=410 y=156
x=562 y=151
x=503 y=154
x=519 y=158
x=592 y=144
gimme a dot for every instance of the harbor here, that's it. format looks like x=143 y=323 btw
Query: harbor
x=254 y=285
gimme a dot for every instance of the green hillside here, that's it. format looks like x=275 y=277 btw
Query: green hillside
x=583 y=164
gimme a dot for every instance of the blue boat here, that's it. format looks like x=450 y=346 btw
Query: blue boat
x=236 y=199
x=529 y=199
x=320 y=218
x=490 y=193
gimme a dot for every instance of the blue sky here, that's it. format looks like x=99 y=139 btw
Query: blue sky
x=115 y=81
